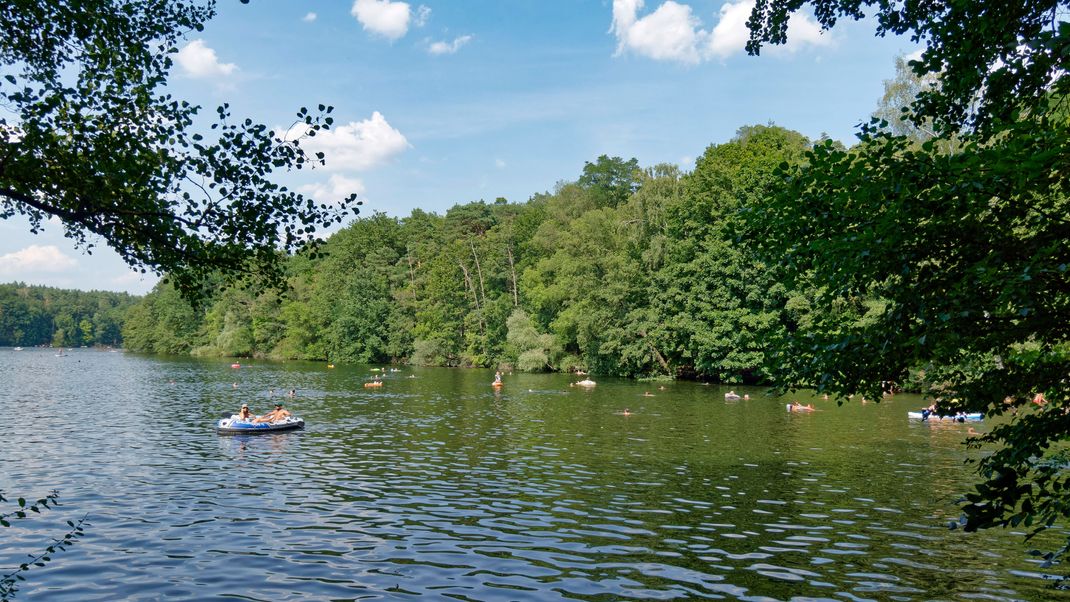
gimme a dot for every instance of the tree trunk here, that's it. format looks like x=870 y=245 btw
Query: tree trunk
x=512 y=271
x=657 y=354
x=479 y=271
x=412 y=275
x=475 y=298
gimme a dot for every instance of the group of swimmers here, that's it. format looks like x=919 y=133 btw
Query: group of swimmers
x=279 y=413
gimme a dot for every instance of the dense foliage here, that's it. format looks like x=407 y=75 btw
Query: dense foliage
x=40 y=315
x=88 y=137
x=625 y=271
x=948 y=254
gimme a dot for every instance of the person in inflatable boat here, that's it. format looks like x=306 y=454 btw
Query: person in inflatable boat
x=275 y=415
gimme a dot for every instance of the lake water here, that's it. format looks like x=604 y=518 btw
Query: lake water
x=438 y=487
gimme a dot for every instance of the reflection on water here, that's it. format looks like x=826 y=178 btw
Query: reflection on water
x=438 y=486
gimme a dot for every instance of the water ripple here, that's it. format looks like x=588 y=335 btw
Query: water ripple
x=435 y=487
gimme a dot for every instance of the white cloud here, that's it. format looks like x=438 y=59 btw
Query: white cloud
x=310 y=17
x=731 y=34
x=673 y=33
x=804 y=31
x=423 y=13
x=669 y=33
x=385 y=17
x=449 y=47
x=356 y=146
x=129 y=278
x=198 y=60
x=334 y=190
x=36 y=259
x=500 y=164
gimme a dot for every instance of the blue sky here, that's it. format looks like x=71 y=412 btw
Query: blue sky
x=438 y=103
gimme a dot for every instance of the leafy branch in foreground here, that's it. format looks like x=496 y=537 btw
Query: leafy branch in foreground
x=9 y=583
x=35 y=507
x=950 y=255
x=86 y=136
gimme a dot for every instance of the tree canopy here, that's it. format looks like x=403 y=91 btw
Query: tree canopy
x=88 y=136
x=627 y=271
x=948 y=257
x=39 y=315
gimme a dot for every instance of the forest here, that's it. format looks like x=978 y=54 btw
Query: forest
x=41 y=315
x=628 y=270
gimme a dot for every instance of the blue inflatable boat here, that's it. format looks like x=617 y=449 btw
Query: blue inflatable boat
x=233 y=426
x=960 y=417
